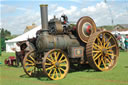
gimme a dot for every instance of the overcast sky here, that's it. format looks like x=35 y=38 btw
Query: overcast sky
x=15 y=15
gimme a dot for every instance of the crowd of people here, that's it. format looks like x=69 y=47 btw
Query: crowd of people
x=122 y=41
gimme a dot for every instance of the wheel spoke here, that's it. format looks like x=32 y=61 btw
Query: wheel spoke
x=97 y=57
x=109 y=61
x=103 y=39
x=61 y=61
x=63 y=65
x=111 y=54
x=59 y=71
x=48 y=64
x=27 y=69
x=99 y=40
x=99 y=62
x=49 y=59
x=29 y=61
x=53 y=74
x=61 y=57
x=107 y=44
x=57 y=55
x=49 y=68
x=62 y=69
x=110 y=50
x=52 y=59
x=109 y=58
x=111 y=46
x=56 y=74
x=108 y=40
x=97 y=45
x=103 y=62
x=50 y=72
x=29 y=64
x=96 y=51
x=32 y=58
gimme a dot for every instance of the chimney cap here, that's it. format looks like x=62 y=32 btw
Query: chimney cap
x=42 y=5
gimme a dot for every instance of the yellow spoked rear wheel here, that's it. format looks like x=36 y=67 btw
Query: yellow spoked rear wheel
x=31 y=65
x=102 y=51
x=55 y=64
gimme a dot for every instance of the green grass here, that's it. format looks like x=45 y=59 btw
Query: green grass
x=117 y=76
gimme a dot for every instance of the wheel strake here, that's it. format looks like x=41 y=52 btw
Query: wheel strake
x=102 y=51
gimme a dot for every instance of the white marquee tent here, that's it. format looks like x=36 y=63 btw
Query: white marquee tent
x=12 y=43
x=118 y=32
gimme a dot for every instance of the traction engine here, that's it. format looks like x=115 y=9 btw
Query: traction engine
x=59 y=47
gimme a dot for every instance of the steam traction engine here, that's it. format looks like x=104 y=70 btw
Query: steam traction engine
x=58 y=44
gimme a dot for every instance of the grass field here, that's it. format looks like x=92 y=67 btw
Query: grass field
x=117 y=76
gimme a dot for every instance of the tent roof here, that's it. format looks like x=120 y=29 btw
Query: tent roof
x=122 y=32
x=25 y=36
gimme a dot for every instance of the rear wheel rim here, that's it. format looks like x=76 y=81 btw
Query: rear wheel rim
x=102 y=51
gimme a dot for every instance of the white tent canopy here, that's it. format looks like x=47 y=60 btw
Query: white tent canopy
x=118 y=32
x=25 y=36
x=12 y=43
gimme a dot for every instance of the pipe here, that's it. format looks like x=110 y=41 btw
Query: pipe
x=44 y=17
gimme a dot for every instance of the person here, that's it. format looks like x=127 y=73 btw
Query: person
x=18 y=54
x=119 y=39
x=65 y=23
x=65 y=19
x=126 y=42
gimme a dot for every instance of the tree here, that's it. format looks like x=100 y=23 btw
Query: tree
x=4 y=35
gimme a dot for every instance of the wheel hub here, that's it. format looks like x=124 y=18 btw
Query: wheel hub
x=57 y=64
x=104 y=51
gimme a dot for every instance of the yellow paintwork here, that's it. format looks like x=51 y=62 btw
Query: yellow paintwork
x=103 y=59
x=32 y=58
x=57 y=65
x=29 y=64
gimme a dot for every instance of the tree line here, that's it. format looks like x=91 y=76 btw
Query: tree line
x=4 y=35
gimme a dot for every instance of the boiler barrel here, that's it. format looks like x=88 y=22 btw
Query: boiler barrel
x=47 y=42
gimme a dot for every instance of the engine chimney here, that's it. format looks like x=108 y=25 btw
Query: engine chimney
x=44 y=17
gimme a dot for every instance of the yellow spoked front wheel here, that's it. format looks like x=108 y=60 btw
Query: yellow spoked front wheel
x=102 y=51
x=31 y=65
x=55 y=64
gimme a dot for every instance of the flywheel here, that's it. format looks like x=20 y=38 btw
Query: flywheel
x=102 y=51
x=55 y=64
x=85 y=27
